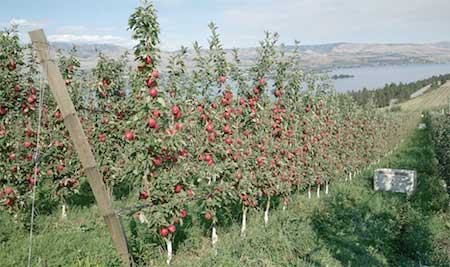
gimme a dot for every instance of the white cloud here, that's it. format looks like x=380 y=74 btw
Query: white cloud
x=24 y=23
x=91 y=39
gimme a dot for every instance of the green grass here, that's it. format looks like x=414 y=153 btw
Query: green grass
x=352 y=226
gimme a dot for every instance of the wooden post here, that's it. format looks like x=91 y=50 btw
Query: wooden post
x=81 y=144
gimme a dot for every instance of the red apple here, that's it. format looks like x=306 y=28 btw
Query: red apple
x=164 y=232
x=179 y=126
x=148 y=60
x=150 y=82
x=172 y=228
x=227 y=129
x=151 y=123
x=143 y=195
x=129 y=135
x=57 y=114
x=183 y=213
x=31 y=100
x=222 y=79
x=12 y=65
x=175 y=110
x=262 y=81
x=156 y=114
x=8 y=190
x=178 y=188
x=60 y=167
x=153 y=92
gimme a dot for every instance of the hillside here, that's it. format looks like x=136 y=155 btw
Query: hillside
x=431 y=99
x=400 y=92
x=323 y=56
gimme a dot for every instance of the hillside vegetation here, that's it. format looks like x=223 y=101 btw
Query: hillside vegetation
x=437 y=98
x=400 y=91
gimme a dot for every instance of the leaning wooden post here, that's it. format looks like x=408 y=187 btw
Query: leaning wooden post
x=81 y=144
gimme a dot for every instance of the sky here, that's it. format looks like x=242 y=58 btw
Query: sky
x=241 y=22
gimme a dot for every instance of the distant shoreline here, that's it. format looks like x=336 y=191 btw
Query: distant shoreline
x=342 y=76
x=335 y=68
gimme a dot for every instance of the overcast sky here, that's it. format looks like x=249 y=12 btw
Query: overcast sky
x=241 y=22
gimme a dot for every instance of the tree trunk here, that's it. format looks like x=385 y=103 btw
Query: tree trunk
x=169 y=251
x=309 y=191
x=214 y=238
x=326 y=188
x=266 y=212
x=244 y=221
x=64 y=212
x=318 y=191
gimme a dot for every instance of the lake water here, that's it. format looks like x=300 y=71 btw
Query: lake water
x=376 y=77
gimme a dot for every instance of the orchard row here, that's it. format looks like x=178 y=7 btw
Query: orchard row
x=218 y=133
x=439 y=123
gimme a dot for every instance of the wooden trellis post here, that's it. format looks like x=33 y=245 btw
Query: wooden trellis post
x=72 y=123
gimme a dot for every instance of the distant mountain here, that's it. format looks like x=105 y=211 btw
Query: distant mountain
x=87 y=53
x=317 y=57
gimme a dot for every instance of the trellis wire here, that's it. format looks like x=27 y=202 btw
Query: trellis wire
x=36 y=158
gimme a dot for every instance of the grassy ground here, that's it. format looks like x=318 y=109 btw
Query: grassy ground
x=352 y=226
x=429 y=100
